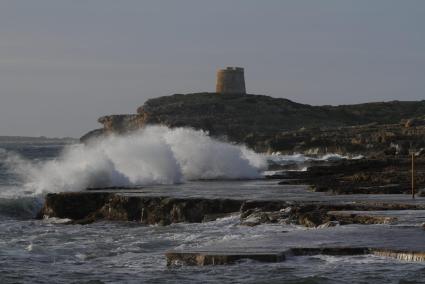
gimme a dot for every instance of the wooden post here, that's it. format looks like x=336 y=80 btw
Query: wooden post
x=413 y=176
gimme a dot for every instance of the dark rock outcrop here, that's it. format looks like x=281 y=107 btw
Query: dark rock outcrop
x=362 y=176
x=369 y=139
x=343 y=217
x=275 y=124
x=121 y=123
x=201 y=259
x=87 y=207
x=73 y=205
x=316 y=214
x=92 y=135
x=177 y=258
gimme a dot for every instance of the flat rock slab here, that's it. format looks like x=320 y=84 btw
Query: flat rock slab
x=142 y=206
x=219 y=258
x=404 y=243
x=200 y=201
x=258 y=190
x=226 y=258
x=395 y=217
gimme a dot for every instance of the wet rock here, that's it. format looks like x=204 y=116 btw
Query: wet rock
x=217 y=258
x=255 y=219
x=364 y=176
x=416 y=256
x=90 y=206
x=179 y=258
x=329 y=251
x=263 y=205
x=317 y=214
x=258 y=218
x=311 y=219
x=286 y=210
x=329 y=224
x=72 y=205
x=360 y=218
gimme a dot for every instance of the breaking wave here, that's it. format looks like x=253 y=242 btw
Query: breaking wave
x=154 y=155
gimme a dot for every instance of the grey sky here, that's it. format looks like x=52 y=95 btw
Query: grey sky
x=65 y=63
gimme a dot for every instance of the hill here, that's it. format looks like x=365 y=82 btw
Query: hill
x=257 y=120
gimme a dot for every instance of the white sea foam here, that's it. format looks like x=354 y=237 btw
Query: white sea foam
x=154 y=155
x=151 y=156
x=300 y=158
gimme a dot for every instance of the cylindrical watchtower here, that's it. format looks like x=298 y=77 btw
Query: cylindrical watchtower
x=230 y=81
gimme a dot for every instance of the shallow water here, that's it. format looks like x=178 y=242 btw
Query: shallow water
x=41 y=252
x=46 y=251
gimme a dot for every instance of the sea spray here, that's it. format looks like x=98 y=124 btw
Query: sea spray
x=15 y=200
x=153 y=155
x=282 y=159
x=201 y=157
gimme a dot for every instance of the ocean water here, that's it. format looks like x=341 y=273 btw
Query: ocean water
x=47 y=251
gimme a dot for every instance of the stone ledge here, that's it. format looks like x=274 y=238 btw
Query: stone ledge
x=175 y=258
x=208 y=258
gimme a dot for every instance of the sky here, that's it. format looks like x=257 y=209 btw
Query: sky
x=64 y=63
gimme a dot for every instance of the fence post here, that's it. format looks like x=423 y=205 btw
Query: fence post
x=413 y=176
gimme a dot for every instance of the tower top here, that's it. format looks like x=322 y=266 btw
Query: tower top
x=231 y=80
x=240 y=69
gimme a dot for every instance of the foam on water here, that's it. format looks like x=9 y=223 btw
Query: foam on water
x=46 y=251
x=279 y=158
x=154 y=155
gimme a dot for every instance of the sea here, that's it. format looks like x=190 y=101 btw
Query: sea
x=50 y=251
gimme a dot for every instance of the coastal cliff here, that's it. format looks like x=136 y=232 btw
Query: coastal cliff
x=275 y=124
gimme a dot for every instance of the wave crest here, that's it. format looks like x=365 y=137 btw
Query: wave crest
x=153 y=155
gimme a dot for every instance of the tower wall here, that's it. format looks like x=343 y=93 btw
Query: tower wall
x=231 y=81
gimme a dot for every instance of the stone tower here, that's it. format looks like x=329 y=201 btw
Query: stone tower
x=230 y=81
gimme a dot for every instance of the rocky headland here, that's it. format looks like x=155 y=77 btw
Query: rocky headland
x=268 y=124
x=383 y=133
x=367 y=191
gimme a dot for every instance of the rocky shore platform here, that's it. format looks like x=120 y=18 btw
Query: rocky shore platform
x=403 y=243
x=372 y=175
x=303 y=208
x=357 y=206
x=344 y=207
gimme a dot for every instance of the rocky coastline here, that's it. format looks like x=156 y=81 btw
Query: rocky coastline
x=319 y=216
x=369 y=190
x=268 y=124
x=88 y=207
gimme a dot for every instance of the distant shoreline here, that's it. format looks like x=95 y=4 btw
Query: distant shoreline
x=12 y=139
